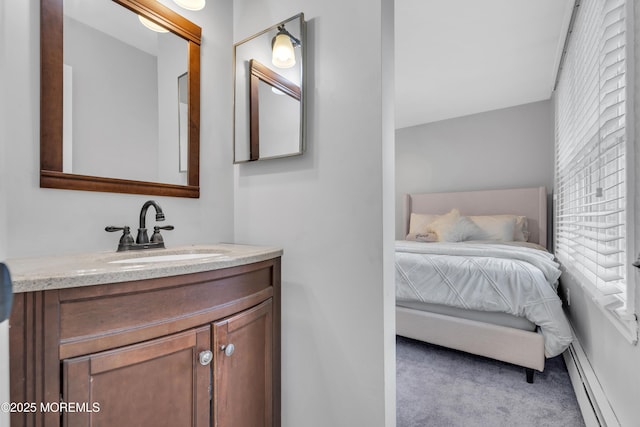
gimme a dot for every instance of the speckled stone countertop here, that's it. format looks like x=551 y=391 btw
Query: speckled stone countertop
x=69 y=271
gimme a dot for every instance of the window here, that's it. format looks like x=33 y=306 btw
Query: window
x=593 y=162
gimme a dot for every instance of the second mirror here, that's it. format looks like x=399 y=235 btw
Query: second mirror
x=269 y=93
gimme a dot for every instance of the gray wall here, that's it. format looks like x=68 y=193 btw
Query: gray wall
x=332 y=212
x=507 y=148
x=172 y=63
x=116 y=135
x=5 y=111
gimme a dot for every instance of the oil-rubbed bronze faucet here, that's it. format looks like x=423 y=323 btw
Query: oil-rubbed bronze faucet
x=142 y=240
x=143 y=237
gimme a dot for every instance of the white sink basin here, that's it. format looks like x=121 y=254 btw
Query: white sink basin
x=167 y=258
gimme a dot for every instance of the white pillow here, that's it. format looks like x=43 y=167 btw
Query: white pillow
x=521 y=228
x=419 y=223
x=496 y=227
x=453 y=227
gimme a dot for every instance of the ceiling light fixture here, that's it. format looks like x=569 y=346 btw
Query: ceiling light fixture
x=191 y=4
x=282 y=46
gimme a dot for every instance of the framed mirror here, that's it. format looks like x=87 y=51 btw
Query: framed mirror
x=269 y=114
x=120 y=102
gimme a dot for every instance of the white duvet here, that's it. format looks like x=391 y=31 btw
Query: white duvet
x=513 y=279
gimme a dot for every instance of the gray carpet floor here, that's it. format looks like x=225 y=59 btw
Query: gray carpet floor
x=439 y=387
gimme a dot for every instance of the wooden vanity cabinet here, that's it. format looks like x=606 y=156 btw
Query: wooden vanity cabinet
x=199 y=349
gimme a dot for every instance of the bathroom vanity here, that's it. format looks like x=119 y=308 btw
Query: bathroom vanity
x=190 y=337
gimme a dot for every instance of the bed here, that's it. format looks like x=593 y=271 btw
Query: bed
x=520 y=320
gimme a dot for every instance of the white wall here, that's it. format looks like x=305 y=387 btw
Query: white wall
x=614 y=360
x=332 y=212
x=507 y=148
x=4 y=107
x=48 y=221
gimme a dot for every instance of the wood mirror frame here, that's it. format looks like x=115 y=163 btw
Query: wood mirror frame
x=259 y=72
x=51 y=102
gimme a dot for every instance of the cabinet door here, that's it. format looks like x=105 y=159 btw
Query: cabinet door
x=243 y=394
x=156 y=383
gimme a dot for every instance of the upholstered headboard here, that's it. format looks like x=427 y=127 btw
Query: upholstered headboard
x=530 y=202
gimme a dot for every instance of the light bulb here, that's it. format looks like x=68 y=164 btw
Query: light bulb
x=283 y=54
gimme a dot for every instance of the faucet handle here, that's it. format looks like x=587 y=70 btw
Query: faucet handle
x=157 y=237
x=126 y=240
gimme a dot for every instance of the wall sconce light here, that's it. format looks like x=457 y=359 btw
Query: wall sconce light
x=282 y=46
x=191 y=4
x=152 y=25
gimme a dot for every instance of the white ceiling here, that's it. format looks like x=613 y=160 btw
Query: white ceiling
x=455 y=58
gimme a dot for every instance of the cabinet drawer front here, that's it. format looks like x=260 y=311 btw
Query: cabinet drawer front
x=138 y=311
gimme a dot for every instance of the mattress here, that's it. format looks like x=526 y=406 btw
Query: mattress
x=485 y=277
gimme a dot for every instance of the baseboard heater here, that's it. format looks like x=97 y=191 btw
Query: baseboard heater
x=594 y=405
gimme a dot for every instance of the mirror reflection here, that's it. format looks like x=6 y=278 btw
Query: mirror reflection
x=273 y=100
x=109 y=97
x=269 y=93
x=120 y=92
x=183 y=121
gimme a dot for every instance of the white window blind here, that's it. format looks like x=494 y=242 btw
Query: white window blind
x=591 y=148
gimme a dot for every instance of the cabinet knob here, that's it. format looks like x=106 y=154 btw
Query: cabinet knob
x=205 y=357
x=228 y=349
